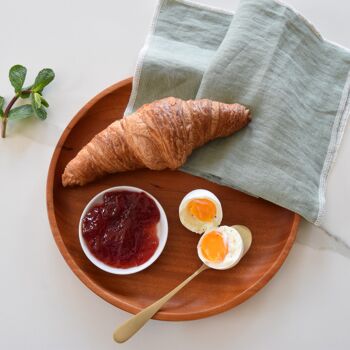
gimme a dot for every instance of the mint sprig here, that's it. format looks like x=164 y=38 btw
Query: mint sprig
x=38 y=104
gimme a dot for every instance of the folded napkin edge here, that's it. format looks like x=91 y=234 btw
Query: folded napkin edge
x=338 y=128
x=140 y=59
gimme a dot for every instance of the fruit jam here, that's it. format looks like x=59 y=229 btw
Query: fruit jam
x=122 y=231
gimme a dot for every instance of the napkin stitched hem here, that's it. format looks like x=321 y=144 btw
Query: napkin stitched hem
x=338 y=129
x=140 y=59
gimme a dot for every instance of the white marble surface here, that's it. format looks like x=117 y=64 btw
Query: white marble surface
x=91 y=45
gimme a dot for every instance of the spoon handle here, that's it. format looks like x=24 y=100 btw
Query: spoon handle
x=133 y=324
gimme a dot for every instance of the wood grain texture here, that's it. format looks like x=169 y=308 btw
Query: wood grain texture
x=274 y=229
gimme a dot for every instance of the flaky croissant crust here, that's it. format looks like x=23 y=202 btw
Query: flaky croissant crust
x=159 y=135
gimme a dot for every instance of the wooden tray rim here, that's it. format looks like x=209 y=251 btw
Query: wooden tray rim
x=96 y=288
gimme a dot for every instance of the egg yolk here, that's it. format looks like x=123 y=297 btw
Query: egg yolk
x=203 y=209
x=213 y=247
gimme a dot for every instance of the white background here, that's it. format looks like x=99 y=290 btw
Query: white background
x=91 y=45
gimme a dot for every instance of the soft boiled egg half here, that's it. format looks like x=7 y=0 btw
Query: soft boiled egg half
x=221 y=248
x=200 y=211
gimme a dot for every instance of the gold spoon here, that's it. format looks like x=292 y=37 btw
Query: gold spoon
x=136 y=322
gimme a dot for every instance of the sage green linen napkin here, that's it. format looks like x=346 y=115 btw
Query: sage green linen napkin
x=271 y=59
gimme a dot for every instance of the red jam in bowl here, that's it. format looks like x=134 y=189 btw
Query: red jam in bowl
x=122 y=231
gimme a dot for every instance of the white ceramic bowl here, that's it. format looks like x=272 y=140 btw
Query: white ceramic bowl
x=162 y=232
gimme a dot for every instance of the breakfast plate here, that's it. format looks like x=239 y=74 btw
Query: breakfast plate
x=274 y=228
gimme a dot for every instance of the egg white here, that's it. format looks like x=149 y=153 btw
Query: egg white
x=191 y=222
x=235 y=248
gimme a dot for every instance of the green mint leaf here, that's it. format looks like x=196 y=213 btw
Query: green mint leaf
x=44 y=102
x=43 y=79
x=21 y=112
x=2 y=101
x=37 y=99
x=17 y=76
x=40 y=112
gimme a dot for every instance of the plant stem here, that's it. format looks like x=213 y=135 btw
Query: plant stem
x=7 y=111
x=3 y=130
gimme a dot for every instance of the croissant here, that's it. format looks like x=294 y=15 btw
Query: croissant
x=157 y=136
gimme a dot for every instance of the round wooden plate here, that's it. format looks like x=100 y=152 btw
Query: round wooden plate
x=273 y=228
